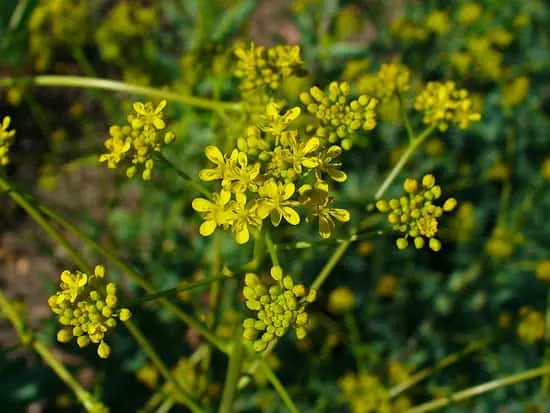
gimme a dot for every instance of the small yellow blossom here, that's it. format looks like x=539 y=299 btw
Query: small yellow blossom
x=392 y=79
x=437 y=21
x=542 y=270
x=387 y=286
x=469 y=12
x=341 y=300
x=515 y=91
x=86 y=307
x=416 y=215
x=407 y=31
x=531 y=325
x=215 y=213
x=365 y=393
x=443 y=103
x=501 y=243
x=6 y=139
x=276 y=203
x=545 y=170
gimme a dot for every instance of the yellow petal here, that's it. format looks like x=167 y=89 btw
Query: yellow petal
x=291 y=216
x=242 y=236
x=201 y=205
x=209 y=174
x=214 y=154
x=337 y=175
x=207 y=228
x=288 y=190
x=325 y=227
x=311 y=145
x=276 y=216
x=341 y=215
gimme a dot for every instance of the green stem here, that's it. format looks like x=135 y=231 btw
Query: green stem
x=186 y=177
x=355 y=340
x=172 y=291
x=47 y=355
x=406 y=119
x=480 y=389
x=236 y=359
x=159 y=364
x=278 y=386
x=545 y=387
x=446 y=362
x=331 y=263
x=38 y=217
x=116 y=86
x=271 y=248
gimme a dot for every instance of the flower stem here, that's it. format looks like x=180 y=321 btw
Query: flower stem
x=271 y=248
x=278 y=386
x=159 y=364
x=479 y=389
x=236 y=358
x=171 y=291
x=116 y=86
x=47 y=355
x=188 y=179
x=447 y=361
x=545 y=387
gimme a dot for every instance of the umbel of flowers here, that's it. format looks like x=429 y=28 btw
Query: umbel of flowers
x=416 y=214
x=6 y=139
x=278 y=307
x=136 y=142
x=86 y=307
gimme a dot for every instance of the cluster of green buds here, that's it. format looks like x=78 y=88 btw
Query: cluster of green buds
x=416 y=214
x=442 y=103
x=337 y=117
x=6 y=139
x=260 y=68
x=392 y=79
x=279 y=307
x=365 y=393
x=86 y=307
x=137 y=141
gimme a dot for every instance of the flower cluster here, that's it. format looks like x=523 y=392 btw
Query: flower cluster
x=392 y=79
x=442 y=103
x=261 y=178
x=56 y=22
x=531 y=326
x=365 y=393
x=279 y=307
x=6 y=139
x=337 y=117
x=126 y=22
x=262 y=69
x=138 y=140
x=86 y=307
x=416 y=215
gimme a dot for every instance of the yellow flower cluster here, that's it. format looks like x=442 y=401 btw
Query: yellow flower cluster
x=86 y=307
x=138 y=140
x=6 y=139
x=365 y=393
x=416 y=215
x=392 y=79
x=125 y=22
x=437 y=22
x=531 y=325
x=442 y=103
x=259 y=178
x=56 y=22
x=407 y=31
x=279 y=307
x=262 y=69
x=337 y=117
x=341 y=300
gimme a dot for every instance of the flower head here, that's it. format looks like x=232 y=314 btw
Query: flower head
x=416 y=214
x=86 y=307
x=279 y=307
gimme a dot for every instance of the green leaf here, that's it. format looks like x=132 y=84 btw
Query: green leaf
x=232 y=20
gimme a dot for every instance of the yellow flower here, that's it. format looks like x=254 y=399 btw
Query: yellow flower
x=501 y=243
x=442 y=103
x=515 y=91
x=531 y=325
x=365 y=393
x=469 y=12
x=341 y=300
x=276 y=203
x=239 y=175
x=542 y=270
x=301 y=154
x=215 y=213
x=545 y=170
x=6 y=139
x=274 y=122
x=437 y=21
x=215 y=156
x=327 y=163
x=86 y=307
x=392 y=79
x=387 y=286
x=244 y=215
x=317 y=200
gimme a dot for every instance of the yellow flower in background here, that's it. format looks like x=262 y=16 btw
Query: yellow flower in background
x=437 y=21
x=501 y=243
x=6 y=140
x=469 y=12
x=515 y=91
x=442 y=103
x=416 y=214
x=542 y=270
x=387 y=286
x=545 y=170
x=392 y=79
x=531 y=325
x=86 y=307
x=365 y=393
x=341 y=300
